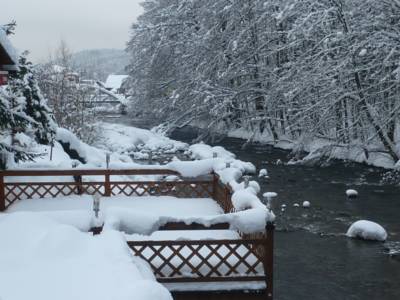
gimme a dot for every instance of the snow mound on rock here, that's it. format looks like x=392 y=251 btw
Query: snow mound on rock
x=351 y=193
x=367 y=230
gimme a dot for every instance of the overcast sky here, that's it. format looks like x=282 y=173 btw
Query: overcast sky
x=83 y=24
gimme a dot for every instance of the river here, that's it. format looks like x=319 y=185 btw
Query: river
x=313 y=257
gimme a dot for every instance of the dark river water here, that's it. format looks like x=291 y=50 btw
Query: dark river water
x=313 y=257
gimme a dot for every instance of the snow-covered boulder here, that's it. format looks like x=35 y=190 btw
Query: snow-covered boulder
x=263 y=173
x=270 y=195
x=367 y=230
x=350 y=193
x=204 y=151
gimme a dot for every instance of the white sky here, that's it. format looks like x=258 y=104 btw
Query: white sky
x=82 y=24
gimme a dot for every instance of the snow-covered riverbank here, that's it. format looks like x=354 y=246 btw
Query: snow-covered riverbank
x=323 y=149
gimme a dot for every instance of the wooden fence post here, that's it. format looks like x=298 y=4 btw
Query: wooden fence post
x=269 y=260
x=107 y=185
x=228 y=200
x=214 y=187
x=78 y=180
x=2 y=194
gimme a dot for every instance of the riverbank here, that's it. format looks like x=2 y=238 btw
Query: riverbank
x=319 y=149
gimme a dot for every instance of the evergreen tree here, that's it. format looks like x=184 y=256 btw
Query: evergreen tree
x=24 y=84
x=23 y=110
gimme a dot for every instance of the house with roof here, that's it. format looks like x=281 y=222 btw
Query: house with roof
x=8 y=57
x=114 y=83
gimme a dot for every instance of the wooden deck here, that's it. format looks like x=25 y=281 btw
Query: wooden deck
x=243 y=260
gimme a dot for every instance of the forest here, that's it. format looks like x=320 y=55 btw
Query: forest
x=308 y=71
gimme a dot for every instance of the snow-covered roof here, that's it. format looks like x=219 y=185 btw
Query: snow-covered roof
x=7 y=52
x=115 y=81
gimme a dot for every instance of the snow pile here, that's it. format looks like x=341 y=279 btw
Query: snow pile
x=131 y=221
x=245 y=199
x=134 y=141
x=367 y=230
x=203 y=151
x=92 y=156
x=41 y=259
x=206 y=166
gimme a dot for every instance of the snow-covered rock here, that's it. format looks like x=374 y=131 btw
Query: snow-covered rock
x=127 y=139
x=263 y=173
x=270 y=195
x=367 y=230
x=306 y=204
x=351 y=193
x=204 y=151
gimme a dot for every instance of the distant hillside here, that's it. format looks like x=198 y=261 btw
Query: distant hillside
x=99 y=63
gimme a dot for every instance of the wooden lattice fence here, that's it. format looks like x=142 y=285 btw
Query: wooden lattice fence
x=245 y=259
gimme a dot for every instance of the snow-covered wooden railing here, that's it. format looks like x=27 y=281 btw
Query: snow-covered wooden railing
x=248 y=259
x=75 y=183
x=245 y=261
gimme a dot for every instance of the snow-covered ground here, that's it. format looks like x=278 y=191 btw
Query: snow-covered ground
x=43 y=259
x=134 y=141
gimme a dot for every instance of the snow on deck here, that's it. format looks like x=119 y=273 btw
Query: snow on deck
x=117 y=212
x=140 y=217
x=144 y=214
x=160 y=205
x=185 y=235
x=42 y=259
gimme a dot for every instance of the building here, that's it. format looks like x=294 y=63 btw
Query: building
x=114 y=83
x=8 y=57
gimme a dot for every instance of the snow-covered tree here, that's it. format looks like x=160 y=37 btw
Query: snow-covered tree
x=23 y=112
x=292 y=70
x=67 y=98
x=23 y=85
